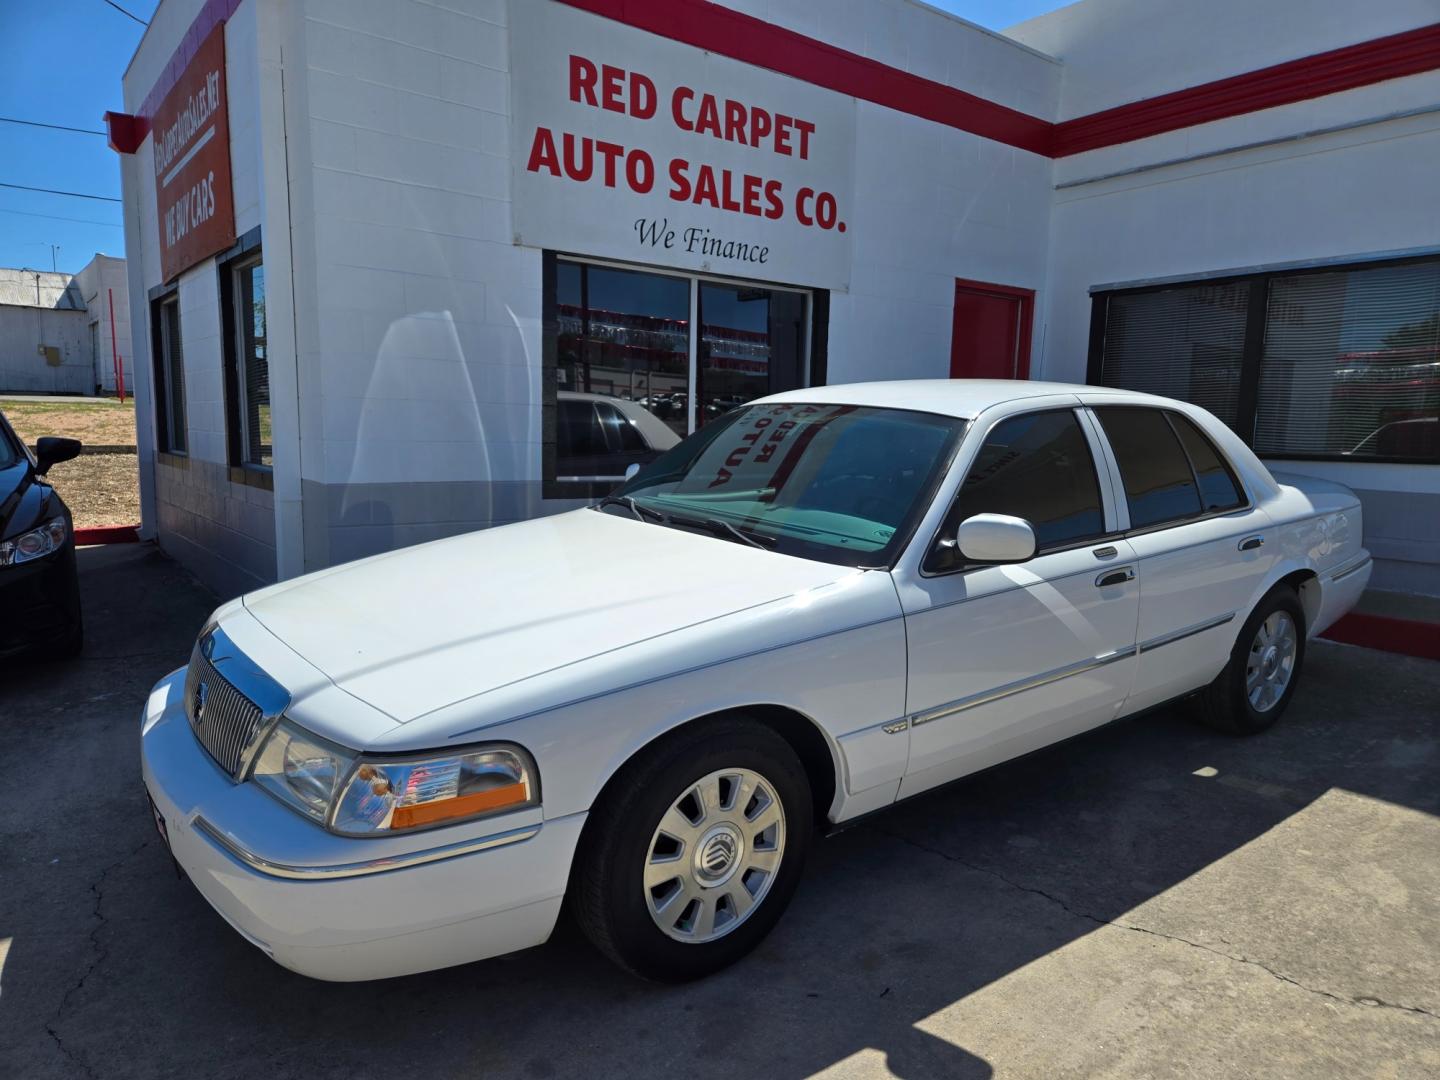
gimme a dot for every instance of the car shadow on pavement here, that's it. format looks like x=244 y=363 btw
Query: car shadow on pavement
x=117 y=968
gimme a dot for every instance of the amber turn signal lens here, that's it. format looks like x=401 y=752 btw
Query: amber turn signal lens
x=480 y=802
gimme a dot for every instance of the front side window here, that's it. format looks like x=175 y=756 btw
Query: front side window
x=251 y=369
x=836 y=483
x=169 y=375
x=1038 y=467
x=1159 y=486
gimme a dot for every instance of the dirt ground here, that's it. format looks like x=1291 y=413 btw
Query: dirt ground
x=100 y=489
x=98 y=423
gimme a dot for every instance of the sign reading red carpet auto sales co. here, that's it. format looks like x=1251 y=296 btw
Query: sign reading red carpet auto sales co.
x=631 y=146
x=191 y=132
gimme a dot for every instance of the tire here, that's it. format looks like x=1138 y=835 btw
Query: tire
x=1255 y=688
x=66 y=646
x=622 y=891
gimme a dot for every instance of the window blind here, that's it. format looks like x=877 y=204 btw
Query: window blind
x=1186 y=343
x=1351 y=364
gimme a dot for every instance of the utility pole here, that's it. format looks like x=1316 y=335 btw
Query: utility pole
x=53 y=249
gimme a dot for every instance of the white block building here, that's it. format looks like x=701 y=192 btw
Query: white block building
x=57 y=335
x=469 y=235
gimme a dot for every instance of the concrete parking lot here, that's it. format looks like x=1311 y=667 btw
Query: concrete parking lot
x=1151 y=900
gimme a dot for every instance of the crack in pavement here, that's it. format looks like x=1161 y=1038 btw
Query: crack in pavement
x=1367 y=1002
x=97 y=889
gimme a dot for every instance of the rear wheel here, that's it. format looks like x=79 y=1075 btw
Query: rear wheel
x=695 y=850
x=1256 y=686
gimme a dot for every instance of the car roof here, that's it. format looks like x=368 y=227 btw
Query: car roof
x=963 y=398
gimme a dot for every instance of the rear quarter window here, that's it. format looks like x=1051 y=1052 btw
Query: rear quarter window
x=1159 y=486
x=1219 y=490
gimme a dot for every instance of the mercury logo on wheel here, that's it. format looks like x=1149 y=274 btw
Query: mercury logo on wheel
x=718 y=854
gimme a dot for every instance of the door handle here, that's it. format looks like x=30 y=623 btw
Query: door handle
x=1251 y=543
x=1117 y=576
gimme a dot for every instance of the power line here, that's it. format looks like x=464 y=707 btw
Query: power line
x=122 y=11
x=53 y=191
x=55 y=127
x=57 y=217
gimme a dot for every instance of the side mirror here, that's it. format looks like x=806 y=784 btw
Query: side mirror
x=51 y=450
x=631 y=470
x=995 y=538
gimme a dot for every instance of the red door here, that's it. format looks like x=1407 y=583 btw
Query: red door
x=991 y=334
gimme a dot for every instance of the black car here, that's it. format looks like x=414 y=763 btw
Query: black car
x=39 y=588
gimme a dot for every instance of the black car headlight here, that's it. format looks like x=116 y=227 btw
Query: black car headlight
x=35 y=544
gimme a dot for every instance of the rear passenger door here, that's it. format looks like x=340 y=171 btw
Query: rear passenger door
x=1008 y=658
x=1203 y=547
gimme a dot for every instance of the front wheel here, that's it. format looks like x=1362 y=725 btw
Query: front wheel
x=695 y=850
x=1258 y=682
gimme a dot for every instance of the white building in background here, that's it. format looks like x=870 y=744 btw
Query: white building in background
x=56 y=332
x=389 y=259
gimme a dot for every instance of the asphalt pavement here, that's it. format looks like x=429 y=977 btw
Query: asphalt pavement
x=1150 y=900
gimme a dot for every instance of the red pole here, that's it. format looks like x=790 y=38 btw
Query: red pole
x=115 y=349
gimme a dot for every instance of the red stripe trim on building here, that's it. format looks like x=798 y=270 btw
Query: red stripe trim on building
x=722 y=30
x=754 y=41
x=1405 y=636
x=128 y=132
x=1393 y=57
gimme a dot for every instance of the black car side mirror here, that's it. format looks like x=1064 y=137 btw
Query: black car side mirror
x=51 y=450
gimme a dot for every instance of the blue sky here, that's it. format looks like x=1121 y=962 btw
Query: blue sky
x=61 y=62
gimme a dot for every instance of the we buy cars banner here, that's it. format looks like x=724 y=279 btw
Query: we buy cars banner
x=631 y=146
x=191 y=131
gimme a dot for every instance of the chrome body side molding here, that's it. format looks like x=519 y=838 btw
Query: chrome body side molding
x=264 y=866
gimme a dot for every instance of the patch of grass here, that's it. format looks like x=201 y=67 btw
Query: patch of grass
x=99 y=423
x=100 y=489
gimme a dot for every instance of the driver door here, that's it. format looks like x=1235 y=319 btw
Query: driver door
x=1004 y=659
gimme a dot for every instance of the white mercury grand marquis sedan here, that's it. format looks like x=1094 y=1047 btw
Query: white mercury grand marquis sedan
x=818 y=604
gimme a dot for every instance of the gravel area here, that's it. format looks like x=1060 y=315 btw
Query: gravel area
x=100 y=489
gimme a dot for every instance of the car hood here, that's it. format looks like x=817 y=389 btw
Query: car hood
x=421 y=628
x=23 y=501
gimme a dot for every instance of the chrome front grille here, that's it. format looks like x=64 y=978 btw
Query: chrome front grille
x=227 y=720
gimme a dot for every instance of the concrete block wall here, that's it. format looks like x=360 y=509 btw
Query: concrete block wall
x=221 y=529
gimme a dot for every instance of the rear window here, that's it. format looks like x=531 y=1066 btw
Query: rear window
x=1219 y=489
x=1159 y=486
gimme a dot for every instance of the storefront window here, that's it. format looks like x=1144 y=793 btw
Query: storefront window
x=632 y=376
x=750 y=340
x=1339 y=364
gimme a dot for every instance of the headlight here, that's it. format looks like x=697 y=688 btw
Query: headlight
x=34 y=544
x=417 y=792
x=363 y=796
x=300 y=770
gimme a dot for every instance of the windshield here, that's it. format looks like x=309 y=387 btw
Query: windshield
x=837 y=483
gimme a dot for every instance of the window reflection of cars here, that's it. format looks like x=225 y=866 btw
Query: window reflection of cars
x=1417 y=438
x=599 y=437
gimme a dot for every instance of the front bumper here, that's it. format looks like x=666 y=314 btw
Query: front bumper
x=41 y=601
x=346 y=909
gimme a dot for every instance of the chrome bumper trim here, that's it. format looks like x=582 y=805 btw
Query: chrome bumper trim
x=1188 y=631
x=1355 y=567
x=370 y=866
x=1019 y=686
